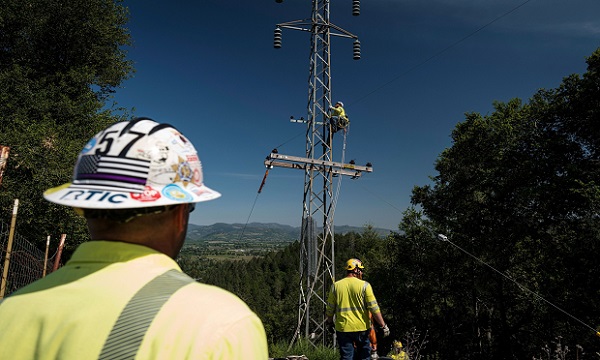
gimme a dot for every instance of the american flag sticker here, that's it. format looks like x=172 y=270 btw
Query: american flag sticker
x=112 y=172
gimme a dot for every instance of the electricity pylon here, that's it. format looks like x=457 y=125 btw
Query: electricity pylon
x=317 y=268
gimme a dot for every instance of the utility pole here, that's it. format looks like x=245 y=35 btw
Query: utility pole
x=317 y=267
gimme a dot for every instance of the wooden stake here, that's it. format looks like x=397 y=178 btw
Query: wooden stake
x=46 y=256
x=60 y=249
x=11 y=235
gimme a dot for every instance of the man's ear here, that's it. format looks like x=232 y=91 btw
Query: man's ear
x=182 y=214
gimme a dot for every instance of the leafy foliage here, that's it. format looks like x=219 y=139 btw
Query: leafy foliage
x=518 y=190
x=59 y=63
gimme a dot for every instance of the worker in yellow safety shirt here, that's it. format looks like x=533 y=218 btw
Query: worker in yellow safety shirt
x=350 y=300
x=122 y=295
x=397 y=351
x=339 y=119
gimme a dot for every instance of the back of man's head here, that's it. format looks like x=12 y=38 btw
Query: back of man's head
x=134 y=169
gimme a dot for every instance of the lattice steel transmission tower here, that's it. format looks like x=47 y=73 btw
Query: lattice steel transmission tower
x=317 y=268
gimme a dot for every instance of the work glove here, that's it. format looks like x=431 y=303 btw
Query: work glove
x=374 y=355
x=386 y=330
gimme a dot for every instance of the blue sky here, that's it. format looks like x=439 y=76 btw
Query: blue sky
x=209 y=68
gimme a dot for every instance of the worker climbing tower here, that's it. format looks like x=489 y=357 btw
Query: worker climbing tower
x=317 y=268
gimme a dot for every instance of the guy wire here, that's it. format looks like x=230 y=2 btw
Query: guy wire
x=249 y=215
x=523 y=287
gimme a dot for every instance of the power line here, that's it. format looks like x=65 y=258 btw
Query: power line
x=248 y=219
x=437 y=54
x=444 y=238
x=382 y=199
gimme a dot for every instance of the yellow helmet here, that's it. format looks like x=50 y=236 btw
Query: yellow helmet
x=353 y=264
x=397 y=344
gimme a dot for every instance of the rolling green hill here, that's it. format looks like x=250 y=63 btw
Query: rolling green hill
x=263 y=232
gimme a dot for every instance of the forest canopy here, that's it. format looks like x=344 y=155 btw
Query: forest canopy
x=59 y=64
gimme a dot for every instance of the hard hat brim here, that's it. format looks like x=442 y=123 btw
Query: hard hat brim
x=80 y=196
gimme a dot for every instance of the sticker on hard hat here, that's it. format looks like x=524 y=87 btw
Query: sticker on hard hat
x=149 y=194
x=183 y=171
x=112 y=171
x=176 y=193
x=89 y=146
x=94 y=195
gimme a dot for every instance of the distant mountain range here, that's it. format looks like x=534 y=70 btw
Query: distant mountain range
x=257 y=231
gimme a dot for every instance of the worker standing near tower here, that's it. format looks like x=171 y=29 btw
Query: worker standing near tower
x=351 y=299
x=122 y=295
x=339 y=119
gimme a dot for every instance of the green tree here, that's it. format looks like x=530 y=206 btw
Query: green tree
x=59 y=64
x=518 y=190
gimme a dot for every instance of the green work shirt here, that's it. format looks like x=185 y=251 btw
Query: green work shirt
x=69 y=313
x=351 y=299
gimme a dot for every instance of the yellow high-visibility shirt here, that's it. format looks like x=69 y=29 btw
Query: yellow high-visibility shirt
x=69 y=313
x=400 y=356
x=351 y=299
x=338 y=111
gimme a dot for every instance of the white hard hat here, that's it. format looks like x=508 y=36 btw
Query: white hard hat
x=135 y=164
x=341 y=103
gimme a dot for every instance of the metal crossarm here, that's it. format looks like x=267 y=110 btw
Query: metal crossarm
x=295 y=162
